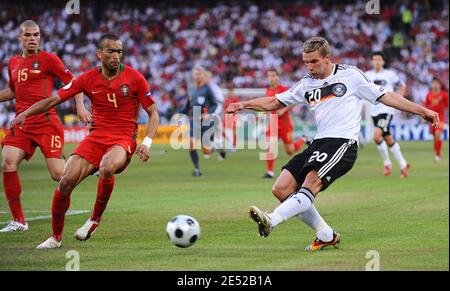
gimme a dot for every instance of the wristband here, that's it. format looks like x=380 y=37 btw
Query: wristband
x=147 y=142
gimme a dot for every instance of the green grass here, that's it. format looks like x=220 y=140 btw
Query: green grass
x=406 y=221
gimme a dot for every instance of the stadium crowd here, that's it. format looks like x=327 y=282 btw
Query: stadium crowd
x=238 y=41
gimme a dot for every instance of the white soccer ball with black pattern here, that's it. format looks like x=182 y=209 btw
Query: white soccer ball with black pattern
x=183 y=230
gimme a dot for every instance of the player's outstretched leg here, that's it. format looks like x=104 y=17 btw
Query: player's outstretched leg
x=104 y=191
x=293 y=206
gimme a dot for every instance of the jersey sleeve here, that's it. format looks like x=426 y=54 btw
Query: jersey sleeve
x=366 y=89
x=59 y=70
x=72 y=88
x=397 y=80
x=294 y=95
x=11 y=82
x=143 y=92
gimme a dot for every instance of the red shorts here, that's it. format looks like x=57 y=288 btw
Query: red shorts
x=93 y=150
x=49 y=138
x=285 y=134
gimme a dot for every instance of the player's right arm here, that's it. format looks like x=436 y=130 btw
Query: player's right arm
x=68 y=91
x=289 y=97
x=6 y=94
x=258 y=104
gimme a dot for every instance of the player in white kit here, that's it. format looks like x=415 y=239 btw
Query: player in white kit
x=382 y=115
x=335 y=94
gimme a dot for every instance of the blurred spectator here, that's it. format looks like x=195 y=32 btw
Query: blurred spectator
x=236 y=41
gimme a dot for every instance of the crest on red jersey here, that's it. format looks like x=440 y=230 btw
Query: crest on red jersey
x=125 y=89
x=35 y=67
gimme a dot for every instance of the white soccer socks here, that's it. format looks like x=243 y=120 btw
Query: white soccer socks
x=312 y=218
x=293 y=206
x=383 y=150
x=397 y=153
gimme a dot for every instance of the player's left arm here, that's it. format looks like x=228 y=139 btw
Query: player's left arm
x=59 y=70
x=143 y=151
x=401 y=103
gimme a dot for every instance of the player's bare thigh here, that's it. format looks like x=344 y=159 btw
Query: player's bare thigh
x=55 y=168
x=75 y=171
x=389 y=140
x=284 y=186
x=112 y=161
x=377 y=135
x=11 y=158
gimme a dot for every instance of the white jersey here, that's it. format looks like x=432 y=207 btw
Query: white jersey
x=336 y=101
x=220 y=97
x=387 y=79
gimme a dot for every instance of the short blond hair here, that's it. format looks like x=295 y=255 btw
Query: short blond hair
x=317 y=43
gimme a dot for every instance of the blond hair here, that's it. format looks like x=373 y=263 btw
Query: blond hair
x=317 y=43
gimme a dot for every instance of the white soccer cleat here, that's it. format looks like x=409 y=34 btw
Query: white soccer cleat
x=50 y=243
x=437 y=159
x=87 y=230
x=15 y=226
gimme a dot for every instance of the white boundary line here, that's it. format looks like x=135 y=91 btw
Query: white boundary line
x=70 y=212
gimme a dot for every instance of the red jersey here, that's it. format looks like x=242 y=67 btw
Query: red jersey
x=285 y=119
x=32 y=78
x=115 y=103
x=437 y=102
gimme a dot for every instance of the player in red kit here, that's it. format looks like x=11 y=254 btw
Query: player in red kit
x=437 y=100
x=285 y=125
x=31 y=77
x=115 y=91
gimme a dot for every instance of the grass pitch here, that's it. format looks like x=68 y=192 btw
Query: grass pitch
x=405 y=221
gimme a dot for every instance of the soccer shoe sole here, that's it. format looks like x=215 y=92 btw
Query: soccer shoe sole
x=253 y=213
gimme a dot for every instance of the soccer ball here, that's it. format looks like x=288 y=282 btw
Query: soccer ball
x=183 y=231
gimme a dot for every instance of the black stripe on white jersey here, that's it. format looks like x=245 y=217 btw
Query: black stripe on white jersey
x=367 y=79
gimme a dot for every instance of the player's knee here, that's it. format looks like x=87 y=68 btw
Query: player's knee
x=56 y=175
x=107 y=170
x=390 y=142
x=279 y=192
x=66 y=185
x=290 y=151
x=8 y=165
